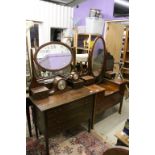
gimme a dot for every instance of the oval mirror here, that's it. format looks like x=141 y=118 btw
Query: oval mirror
x=98 y=57
x=53 y=56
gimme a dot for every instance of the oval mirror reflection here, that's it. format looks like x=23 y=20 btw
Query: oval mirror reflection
x=54 y=56
x=98 y=57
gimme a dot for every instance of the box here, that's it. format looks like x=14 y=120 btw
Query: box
x=39 y=92
x=109 y=75
x=88 y=80
x=94 y=25
x=75 y=84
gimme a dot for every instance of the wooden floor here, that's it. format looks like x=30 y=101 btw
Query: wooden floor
x=111 y=122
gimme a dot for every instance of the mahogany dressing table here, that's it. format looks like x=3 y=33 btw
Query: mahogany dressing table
x=64 y=110
x=114 y=88
x=68 y=107
x=64 y=107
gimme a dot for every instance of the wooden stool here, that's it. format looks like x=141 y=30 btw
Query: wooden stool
x=118 y=150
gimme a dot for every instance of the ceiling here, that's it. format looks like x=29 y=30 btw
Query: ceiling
x=71 y=3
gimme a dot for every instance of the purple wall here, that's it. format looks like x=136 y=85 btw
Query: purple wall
x=106 y=6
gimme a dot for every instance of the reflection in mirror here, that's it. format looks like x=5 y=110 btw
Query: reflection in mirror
x=54 y=57
x=98 y=57
x=51 y=74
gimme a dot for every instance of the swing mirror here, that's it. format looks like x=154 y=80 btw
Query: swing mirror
x=97 y=64
x=53 y=56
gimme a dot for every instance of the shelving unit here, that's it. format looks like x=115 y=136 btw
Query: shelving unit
x=125 y=68
x=80 y=38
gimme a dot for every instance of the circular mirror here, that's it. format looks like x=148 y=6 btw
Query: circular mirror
x=98 y=57
x=53 y=56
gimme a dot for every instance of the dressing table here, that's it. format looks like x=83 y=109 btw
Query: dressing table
x=113 y=88
x=64 y=110
x=63 y=107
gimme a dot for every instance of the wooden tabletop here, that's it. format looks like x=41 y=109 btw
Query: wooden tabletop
x=117 y=81
x=123 y=137
x=65 y=97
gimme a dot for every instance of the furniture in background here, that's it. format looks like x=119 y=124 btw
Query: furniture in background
x=122 y=139
x=125 y=55
x=83 y=42
x=116 y=39
x=123 y=136
x=117 y=150
x=113 y=34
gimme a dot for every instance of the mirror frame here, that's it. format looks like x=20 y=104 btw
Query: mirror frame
x=104 y=61
x=50 y=43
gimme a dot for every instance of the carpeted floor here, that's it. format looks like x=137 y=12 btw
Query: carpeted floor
x=76 y=141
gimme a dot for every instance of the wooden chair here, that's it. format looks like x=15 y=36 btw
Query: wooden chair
x=117 y=150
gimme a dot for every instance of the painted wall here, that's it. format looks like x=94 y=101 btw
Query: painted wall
x=106 y=6
x=50 y=15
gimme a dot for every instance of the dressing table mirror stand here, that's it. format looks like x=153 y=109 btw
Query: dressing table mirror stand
x=65 y=108
x=113 y=89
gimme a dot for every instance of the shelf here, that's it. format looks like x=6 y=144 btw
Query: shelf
x=126 y=79
x=127 y=61
x=125 y=68
x=125 y=72
x=82 y=48
x=87 y=34
x=123 y=137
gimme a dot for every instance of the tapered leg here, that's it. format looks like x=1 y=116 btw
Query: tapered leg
x=47 y=145
x=34 y=120
x=28 y=119
x=89 y=125
x=36 y=130
x=120 y=108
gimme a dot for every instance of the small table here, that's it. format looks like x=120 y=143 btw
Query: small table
x=123 y=138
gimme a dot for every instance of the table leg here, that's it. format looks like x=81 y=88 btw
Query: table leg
x=47 y=144
x=34 y=119
x=120 y=108
x=28 y=118
x=89 y=125
x=93 y=113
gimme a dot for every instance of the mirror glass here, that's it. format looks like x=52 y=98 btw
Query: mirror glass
x=97 y=57
x=55 y=56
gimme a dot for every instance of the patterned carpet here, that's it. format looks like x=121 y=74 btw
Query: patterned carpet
x=76 y=141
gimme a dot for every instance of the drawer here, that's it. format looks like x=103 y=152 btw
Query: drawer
x=107 y=101
x=85 y=111
x=71 y=115
x=63 y=124
x=70 y=109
